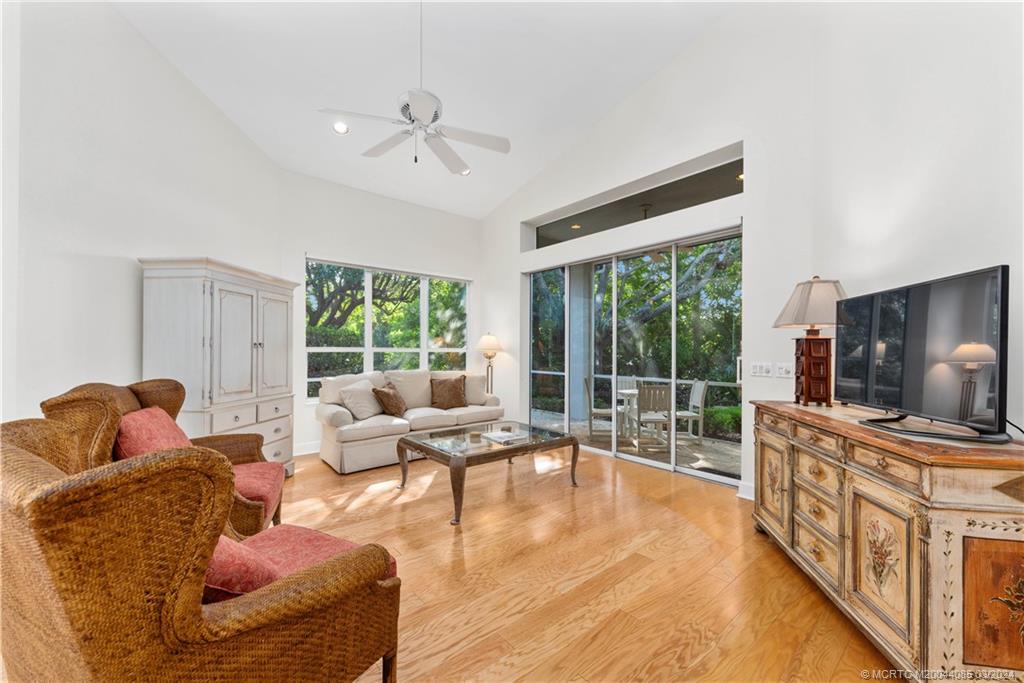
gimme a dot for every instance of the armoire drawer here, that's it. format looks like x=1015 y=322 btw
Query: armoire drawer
x=268 y=410
x=272 y=430
x=278 y=451
x=230 y=420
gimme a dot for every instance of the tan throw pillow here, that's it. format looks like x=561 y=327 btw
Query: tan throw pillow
x=390 y=400
x=359 y=399
x=448 y=393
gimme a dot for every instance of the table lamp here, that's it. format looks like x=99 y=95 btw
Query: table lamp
x=971 y=355
x=812 y=306
x=489 y=346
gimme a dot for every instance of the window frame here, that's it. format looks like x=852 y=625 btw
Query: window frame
x=368 y=349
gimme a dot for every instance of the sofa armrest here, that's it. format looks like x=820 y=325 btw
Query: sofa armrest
x=238 y=448
x=492 y=400
x=333 y=415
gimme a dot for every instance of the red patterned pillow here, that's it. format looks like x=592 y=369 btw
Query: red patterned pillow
x=148 y=430
x=235 y=570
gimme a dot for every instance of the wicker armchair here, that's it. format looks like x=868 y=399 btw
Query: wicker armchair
x=95 y=411
x=103 y=576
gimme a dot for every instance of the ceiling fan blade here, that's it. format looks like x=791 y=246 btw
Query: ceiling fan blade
x=357 y=115
x=471 y=137
x=446 y=154
x=421 y=107
x=388 y=143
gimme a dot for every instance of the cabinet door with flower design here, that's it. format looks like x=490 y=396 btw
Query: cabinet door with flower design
x=884 y=563
x=772 y=485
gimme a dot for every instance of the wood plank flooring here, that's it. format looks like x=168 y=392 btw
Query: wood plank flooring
x=638 y=574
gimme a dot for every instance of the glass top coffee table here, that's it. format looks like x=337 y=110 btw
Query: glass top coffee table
x=460 y=447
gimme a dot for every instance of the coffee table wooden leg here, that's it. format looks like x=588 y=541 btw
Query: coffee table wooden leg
x=457 y=472
x=403 y=462
x=575 y=458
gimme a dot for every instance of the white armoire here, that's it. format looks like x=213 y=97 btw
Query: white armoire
x=226 y=334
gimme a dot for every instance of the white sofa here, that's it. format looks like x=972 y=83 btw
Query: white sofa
x=349 y=445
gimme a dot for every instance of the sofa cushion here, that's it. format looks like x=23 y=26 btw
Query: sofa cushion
x=471 y=414
x=372 y=427
x=291 y=549
x=429 y=418
x=359 y=399
x=235 y=569
x=448 y=393
x=329 y=386
x=262 y=481
x=476 y=385
x=148 y=430
x=390 y=400
x=413 y=385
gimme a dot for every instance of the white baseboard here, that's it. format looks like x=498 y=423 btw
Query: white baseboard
x=306 y=447
x=745 y=490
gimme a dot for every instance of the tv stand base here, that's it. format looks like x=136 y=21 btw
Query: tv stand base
x=887 y=422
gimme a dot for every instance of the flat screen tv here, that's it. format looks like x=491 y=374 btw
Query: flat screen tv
x=935 y=350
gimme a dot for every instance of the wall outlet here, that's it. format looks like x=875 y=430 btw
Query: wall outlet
x=760 y=369
x=784 y=370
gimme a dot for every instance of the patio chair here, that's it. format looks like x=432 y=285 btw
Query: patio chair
x=696 y=409
x=654 y=408
x=593 y=412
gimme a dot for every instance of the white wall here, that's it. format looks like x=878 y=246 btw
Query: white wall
x=121 y=157
x=853 y=120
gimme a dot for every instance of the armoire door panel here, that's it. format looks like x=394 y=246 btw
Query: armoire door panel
x=274 y=344
x=234 y=343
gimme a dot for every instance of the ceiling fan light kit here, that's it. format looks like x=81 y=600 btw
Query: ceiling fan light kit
x=420 y=112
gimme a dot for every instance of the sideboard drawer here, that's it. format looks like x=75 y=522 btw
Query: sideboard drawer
x=903 y=473
x=230 y=420
x=827 y=443
x=268 y=410
x=773 y=422
x=817 y=470
x=817 y=509
x=820 y=553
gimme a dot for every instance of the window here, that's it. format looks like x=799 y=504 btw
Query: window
x=360 y=319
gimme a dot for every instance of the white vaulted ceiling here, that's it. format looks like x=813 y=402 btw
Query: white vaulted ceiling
x=538 y=73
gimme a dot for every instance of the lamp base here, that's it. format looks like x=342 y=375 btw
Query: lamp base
x=812 y=368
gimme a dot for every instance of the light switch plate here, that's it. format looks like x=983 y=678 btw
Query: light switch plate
x=761 y=369
x=783 y=369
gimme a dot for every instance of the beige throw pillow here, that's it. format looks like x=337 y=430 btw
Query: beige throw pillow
x=359 y=399
x=448 y=393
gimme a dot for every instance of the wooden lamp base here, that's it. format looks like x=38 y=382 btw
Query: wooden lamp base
x=813 y=369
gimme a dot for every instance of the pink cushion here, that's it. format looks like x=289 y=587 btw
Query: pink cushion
x=293 y=548
x=262 y=481
x=234 y=570
x=147 y=430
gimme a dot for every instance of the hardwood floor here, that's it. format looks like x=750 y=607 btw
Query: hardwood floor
x=638 y=574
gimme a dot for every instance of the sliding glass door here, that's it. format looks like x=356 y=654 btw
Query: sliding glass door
x=638 y=355
x=547 y=349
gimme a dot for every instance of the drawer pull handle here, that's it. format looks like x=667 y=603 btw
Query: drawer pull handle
x=277 y=409
x=237 y=418
x=277 y=430
x=881 y=463
x=816 y=551
x=813 y=437
x=814 y=470
x=815 y=510
x=277 y=454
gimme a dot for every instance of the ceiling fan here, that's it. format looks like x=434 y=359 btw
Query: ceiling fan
x=420 y=112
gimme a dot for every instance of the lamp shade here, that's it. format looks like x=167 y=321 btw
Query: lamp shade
x=813 y=302
x=489 y=344
x=972 y=352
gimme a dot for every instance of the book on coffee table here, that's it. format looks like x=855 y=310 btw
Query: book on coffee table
x=506 y=438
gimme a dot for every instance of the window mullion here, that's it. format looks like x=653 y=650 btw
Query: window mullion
x=424 y=315
x=367 y=320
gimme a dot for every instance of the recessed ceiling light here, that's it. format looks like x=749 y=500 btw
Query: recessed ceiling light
x=466 y=172
x=340 y=128
x=575 y=226
x=740 y=177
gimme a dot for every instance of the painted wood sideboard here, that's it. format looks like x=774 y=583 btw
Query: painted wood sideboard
x=920 y=542
x=225 y=333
